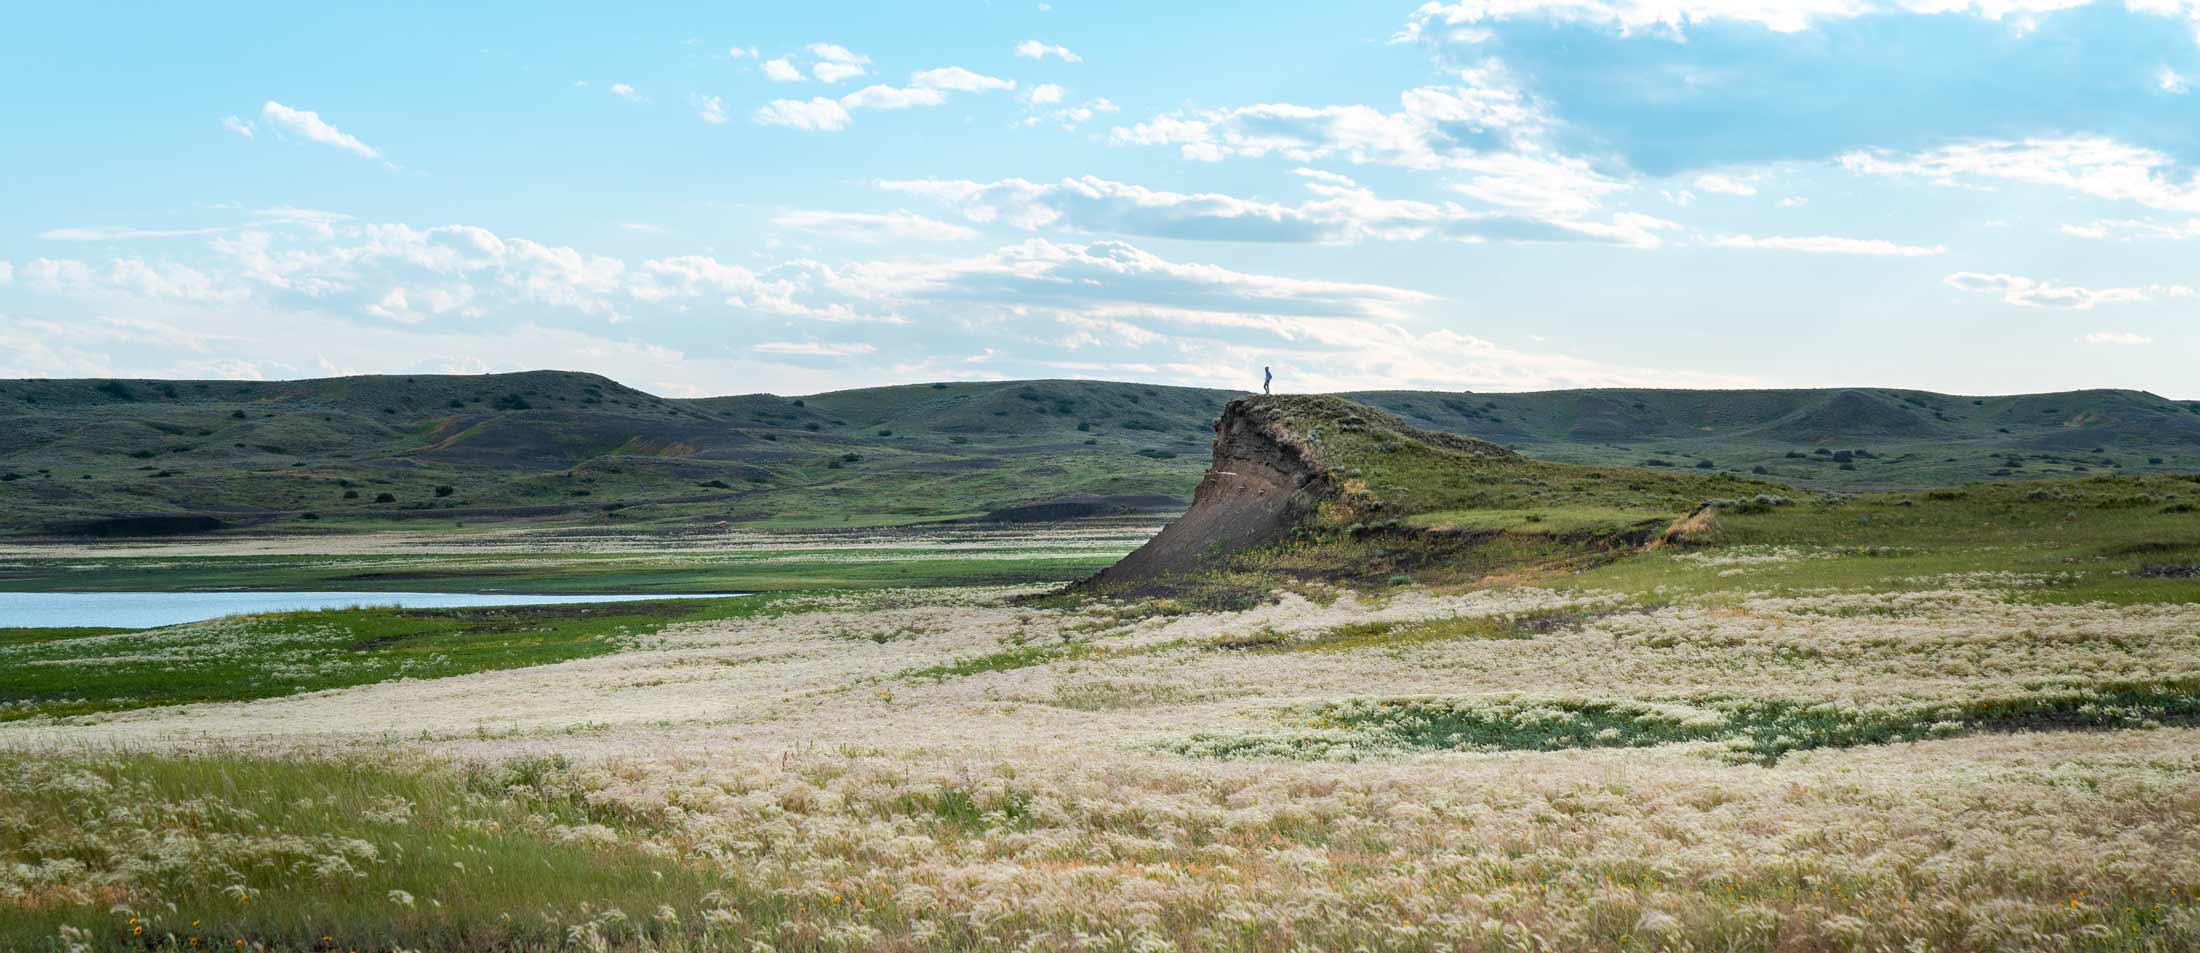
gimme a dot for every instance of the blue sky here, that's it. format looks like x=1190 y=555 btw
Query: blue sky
x=1991 y=196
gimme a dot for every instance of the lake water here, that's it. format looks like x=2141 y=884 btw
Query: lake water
x=145 y=610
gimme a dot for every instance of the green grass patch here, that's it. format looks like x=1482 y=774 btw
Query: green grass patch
x=1006 y=660
x=170 y=853
x=1750 y=729
x=247 y=657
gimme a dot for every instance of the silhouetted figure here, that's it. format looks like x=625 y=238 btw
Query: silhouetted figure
x=1267 y=377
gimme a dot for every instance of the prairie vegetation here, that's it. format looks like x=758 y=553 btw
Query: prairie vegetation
x=1952 y=720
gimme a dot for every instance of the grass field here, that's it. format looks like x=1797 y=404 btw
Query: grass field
x=1952 y=720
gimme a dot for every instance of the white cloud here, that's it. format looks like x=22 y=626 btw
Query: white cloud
x=2032 y=293
x=309 y=125
x=815 y=115
x=1035 y=50
x=1341 y=211
x=927 y=88
x=2135 y=230
x=893 y=97
x=813 y=349
x=710 y=109
x=1435 y=127
x=1826 y=245
x=836 y=63
x=873 y=227
x=959 y=80
x=2115 y=337
x=781 y=71
x=7 y=272
x=2172 y=82
x=742 y=53
x=628 y=93
x=1724 y=185
x=1674 y=17
x=1794 y=201
x=1044 y=94
x=405 y=299
x=239 y=126
x=2087 y=165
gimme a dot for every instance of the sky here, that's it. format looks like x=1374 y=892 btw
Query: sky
x=1968 y=196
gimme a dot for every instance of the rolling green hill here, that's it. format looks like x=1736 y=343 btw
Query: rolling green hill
x=90 y=456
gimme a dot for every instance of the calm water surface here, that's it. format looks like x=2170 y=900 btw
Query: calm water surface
x=144 y=610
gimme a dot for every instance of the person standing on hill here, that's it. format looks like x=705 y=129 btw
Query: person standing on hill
x=1267 y=377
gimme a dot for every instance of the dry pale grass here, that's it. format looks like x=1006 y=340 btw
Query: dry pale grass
x=949 y=770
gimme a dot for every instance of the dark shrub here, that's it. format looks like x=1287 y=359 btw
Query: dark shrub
x=351 y=494
x=511 y=402
x=385 y=498
x=445 y=491
x=236 y=415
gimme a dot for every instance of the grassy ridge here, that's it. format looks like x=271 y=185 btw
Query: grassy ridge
x=575 y=448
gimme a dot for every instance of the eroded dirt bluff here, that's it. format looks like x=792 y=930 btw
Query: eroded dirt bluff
x=1269 y=472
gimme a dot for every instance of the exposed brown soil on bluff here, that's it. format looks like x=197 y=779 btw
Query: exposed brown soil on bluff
x=1265 y=478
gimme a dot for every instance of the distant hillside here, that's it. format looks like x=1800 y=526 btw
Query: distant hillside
x=368 y=452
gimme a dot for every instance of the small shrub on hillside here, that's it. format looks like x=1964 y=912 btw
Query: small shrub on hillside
x=385 y=498
x=351 y=494
x=442 y=491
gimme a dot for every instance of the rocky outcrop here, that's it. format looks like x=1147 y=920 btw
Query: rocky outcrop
x=1245 y=499
x=1269 y=472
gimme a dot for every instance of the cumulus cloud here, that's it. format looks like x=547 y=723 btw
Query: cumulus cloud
x=308 y=125
x=1435 y=127
x=1035 y=50
x=2088 y=165
x=872 y=227
x=628 y=93
x=239 y=126
x=781 y=70
x=836 y=63
x=1044 y=94
x=2032 y=293
x=959 y=80
x=927 y=88
x=817 y=114
x=394 y=293
x=1673 y=17
x=1826 y=245
x=710 y=109
x=893 y=97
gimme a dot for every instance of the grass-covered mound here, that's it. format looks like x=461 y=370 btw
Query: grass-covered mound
x=1321 y=488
